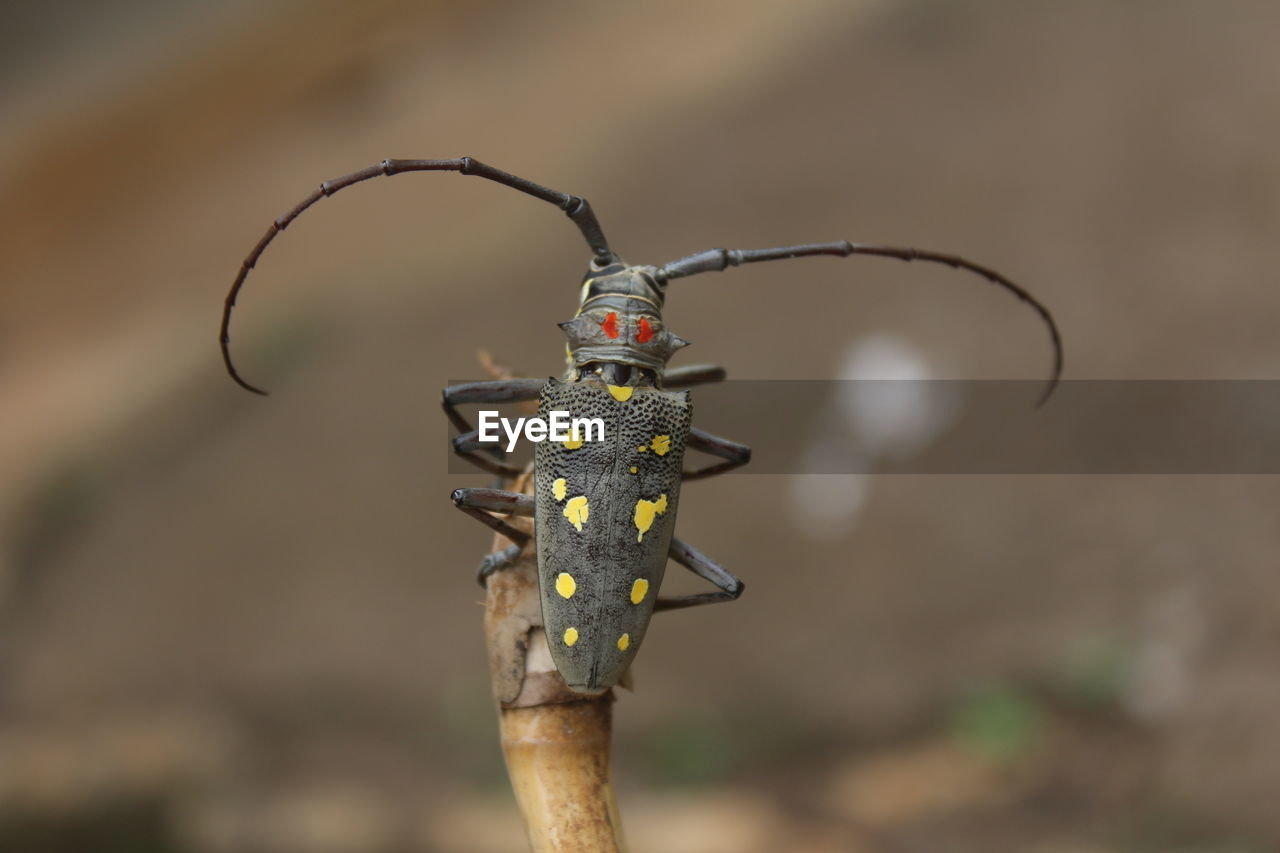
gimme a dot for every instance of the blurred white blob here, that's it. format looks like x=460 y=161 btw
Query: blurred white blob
x=1175 y=626
x=890 y=409
x=882 y=409
x=824 y=506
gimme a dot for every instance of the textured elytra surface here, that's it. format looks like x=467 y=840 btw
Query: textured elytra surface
x=626 y=517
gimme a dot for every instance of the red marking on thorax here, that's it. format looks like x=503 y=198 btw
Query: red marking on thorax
x=645 y=334
x=610 y=325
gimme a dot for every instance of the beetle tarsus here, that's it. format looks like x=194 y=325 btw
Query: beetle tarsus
x=497 y=561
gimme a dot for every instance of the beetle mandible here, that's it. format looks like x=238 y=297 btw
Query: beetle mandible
x=604 y=511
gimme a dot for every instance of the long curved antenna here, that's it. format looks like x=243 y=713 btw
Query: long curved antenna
x=577 y=208
x=715 y=260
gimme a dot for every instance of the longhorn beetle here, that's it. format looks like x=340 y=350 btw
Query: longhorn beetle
x=604 y=511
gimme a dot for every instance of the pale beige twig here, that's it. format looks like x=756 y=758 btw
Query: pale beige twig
x=556 y=742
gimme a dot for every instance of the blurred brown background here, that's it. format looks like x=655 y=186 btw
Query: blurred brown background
x=235 y=624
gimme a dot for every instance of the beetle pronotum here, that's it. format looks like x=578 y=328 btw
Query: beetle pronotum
x=604 y=512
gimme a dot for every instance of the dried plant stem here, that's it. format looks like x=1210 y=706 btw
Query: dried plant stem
x=556 y=742
x=558 y=760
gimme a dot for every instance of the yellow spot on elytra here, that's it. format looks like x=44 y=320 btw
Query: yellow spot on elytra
x=642 y=448
x=574 y=441
x=639 y=590
x=566 y=585
x=576 y=510
x=661 y=444
x=621 y=393
x=570 y=636
x=646 y=512
x=559 y=488
x=623 y=642
x=634 y=469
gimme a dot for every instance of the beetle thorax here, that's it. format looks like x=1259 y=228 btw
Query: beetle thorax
x=619 y=320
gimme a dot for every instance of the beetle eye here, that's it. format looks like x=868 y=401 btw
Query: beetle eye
x=610 y=324
x=644 y=333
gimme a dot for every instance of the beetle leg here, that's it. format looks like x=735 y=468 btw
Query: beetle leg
x=733 y=453
x=468 y=446
x=693 y=374
x=487 y=391
x=704 y=567
x=480 y=504
x=490 y=391
x=497 y=561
